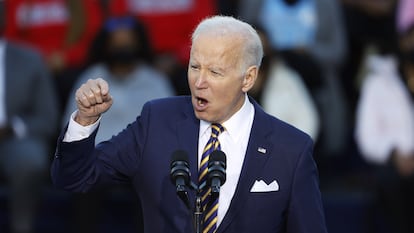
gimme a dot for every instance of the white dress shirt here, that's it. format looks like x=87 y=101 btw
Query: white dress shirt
x=233 y=142
x=77 y=132
x=3 y=116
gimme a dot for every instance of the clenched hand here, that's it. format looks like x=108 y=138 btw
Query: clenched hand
x=92 y=99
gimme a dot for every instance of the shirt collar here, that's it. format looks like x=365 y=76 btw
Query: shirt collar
x=235 y=123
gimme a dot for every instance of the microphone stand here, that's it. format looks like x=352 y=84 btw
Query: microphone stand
x=198 y=215
x=198 y=208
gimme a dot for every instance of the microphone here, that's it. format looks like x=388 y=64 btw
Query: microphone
x=216 y=171
x=180 y=174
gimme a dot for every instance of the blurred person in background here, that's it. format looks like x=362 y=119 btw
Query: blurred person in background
x=170 y=24
x=404 y=18
x=367 y=22
x=121 y=55
x=61 y=30
x=309 y=36
x=282 y=92
x=405 y=29
x=385 y=129
x=28 y=120
x=385 y=119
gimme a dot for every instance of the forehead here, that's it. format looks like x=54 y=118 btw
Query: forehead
x=216 y=49
x=122 y=35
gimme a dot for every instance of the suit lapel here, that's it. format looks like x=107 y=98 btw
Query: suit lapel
x=187 y=133
x=253 y=164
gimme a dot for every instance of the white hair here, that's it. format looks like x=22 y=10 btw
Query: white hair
x=228 y=26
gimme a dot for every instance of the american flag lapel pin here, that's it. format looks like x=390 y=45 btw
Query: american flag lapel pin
x=261 y=150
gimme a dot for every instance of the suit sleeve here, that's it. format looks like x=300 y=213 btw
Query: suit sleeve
x=78 y=166
x=305 y=211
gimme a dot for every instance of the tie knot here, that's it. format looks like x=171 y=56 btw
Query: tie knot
x=216 y=129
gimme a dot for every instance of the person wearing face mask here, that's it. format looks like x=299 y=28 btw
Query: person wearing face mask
x=121 y=55
x=169 y=23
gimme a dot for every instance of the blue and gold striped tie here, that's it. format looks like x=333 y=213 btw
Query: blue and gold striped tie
x=210 y=208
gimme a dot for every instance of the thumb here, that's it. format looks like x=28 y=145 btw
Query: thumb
x=107 y=103
x=107 y=98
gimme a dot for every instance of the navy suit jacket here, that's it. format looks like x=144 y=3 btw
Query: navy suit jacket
x=141 y=155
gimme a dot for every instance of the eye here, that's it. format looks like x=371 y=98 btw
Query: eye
x=194 y=67
x=215 y=73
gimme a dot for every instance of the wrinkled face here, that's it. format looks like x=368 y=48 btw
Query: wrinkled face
x=217 y=82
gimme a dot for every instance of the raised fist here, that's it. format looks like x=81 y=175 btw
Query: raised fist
x=92 y=99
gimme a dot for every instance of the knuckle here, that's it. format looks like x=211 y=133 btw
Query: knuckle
x=96 y=89
x=78 y=94
x=83 y=87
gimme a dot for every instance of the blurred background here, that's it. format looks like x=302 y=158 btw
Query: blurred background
x=340 y=70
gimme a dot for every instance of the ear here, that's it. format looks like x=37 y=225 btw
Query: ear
x=250 y=78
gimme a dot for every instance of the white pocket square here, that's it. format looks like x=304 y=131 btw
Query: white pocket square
x=260 y=186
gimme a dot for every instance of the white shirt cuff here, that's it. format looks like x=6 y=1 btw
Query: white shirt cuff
x=77 y=132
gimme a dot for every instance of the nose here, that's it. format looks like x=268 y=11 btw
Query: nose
x=201 y=80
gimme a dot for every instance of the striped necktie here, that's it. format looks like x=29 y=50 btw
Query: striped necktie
x=210 y=208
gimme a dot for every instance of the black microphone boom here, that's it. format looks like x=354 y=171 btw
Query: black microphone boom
x=216 y=172
x=180 y=175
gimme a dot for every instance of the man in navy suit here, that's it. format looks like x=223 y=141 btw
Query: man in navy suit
x=272 y=181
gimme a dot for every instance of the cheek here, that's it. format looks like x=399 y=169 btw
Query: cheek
x=190 y=79
x=225 y=95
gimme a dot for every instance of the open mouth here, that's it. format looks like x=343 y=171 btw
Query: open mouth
x=201 y=102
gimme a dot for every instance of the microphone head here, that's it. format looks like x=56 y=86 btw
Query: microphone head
x=179 y=167
x=217 y=167
x=218 y=156
x=179 y=155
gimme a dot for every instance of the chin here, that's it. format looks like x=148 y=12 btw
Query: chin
x=200 y=115
x=203 y=116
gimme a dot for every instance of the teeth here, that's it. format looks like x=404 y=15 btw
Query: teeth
x=201 y=102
